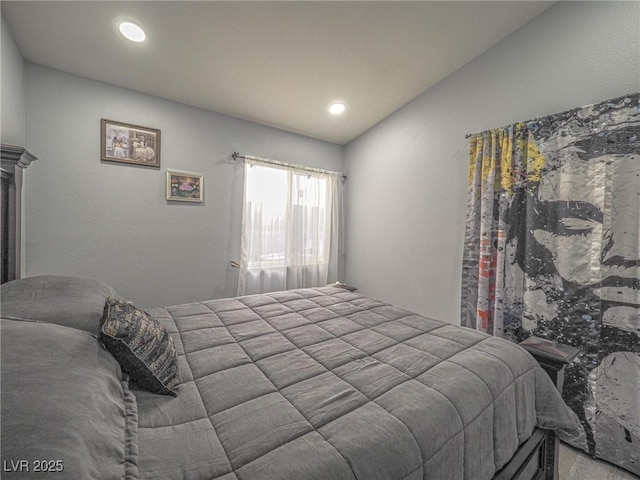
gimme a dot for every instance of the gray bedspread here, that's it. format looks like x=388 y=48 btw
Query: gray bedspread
x=329 y=384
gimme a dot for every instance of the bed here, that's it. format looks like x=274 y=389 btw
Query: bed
x=318 y=383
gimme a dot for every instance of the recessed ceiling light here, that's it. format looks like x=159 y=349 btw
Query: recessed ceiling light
x=132 y=32
x=337 y=108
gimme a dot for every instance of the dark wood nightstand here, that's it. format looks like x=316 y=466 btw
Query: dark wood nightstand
x=551 y=356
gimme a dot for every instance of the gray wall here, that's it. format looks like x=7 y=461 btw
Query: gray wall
x=12 y=80
x=407 y=188
x=111 y=221
x=406 y=193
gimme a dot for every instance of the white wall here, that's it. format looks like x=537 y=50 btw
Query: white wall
x=111 y=221
x=407 y=187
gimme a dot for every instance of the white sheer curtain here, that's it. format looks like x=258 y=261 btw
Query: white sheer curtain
x=291 y=228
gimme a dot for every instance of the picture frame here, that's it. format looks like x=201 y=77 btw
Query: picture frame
x=127 y=143
x=185 y=186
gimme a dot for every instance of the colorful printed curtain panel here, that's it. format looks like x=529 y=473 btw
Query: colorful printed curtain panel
x=552 y=249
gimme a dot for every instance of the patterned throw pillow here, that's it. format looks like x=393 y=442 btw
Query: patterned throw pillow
x=141 y=345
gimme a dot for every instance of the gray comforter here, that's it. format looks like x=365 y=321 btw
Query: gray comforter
x=329 y=384
x=302 y=385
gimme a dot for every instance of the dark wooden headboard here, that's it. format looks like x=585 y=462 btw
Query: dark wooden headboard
x=14 y=160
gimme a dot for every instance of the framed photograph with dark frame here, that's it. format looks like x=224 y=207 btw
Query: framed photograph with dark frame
x=127 y=143
x=185 y=186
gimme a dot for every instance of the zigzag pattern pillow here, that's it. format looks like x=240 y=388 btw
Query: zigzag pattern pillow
x=142 y=346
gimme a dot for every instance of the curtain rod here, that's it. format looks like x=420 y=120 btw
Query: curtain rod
x=236 y=155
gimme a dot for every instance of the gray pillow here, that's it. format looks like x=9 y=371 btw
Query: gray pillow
x=64 y=401
x=70 y=301
x=142 y=346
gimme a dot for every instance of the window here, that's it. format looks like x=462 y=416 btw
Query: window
x=290 y=231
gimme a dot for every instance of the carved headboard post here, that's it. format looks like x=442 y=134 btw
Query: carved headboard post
x=14 y=160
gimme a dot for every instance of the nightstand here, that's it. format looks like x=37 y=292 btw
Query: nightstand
x=551 y=356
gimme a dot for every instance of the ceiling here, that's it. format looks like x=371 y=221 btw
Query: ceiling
x=275 y=63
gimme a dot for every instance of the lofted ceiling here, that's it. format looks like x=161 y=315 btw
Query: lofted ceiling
x=275 y=63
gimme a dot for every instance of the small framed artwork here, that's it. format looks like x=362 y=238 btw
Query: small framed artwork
x=126 y=143
x=185 y=186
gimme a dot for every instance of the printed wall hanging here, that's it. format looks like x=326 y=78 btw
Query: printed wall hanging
x=185 y=186
x=127 y=143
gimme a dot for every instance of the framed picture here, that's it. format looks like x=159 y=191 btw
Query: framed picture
x=185 y=186
x=126 y=143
